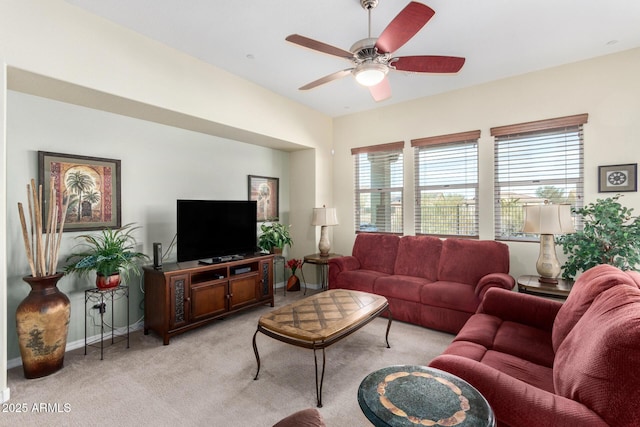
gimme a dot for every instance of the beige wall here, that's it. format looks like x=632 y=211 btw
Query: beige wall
x=60 y=51
x=4 y=391
x=606 y=88
x=56 y=50
x=99 y=64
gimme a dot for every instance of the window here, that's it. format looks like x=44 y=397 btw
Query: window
x=378 y=183
x=534 y=162
x=446 y=182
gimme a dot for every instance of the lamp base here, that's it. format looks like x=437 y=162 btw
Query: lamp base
x=548 y=280
x=324 y=246
x=548 y=266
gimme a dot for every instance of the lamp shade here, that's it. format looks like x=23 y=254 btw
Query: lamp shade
x=548 y=219
x=324 y=216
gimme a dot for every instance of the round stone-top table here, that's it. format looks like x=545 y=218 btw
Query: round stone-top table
x=406 y=395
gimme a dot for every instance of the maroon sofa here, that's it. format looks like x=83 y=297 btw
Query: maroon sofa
x=427 y=281
x=541 y=362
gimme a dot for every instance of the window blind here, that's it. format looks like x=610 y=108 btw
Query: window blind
x=532 y=166
x=379 y=181
x=446 y=182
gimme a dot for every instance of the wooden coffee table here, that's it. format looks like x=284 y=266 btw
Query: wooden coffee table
x=320 y=320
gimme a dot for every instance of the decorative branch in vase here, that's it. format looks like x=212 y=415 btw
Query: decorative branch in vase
x=42 y=256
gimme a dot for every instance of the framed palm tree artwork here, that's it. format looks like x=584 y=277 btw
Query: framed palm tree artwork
x=88 y=186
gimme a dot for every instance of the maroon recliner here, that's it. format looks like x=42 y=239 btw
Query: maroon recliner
x=540 y=362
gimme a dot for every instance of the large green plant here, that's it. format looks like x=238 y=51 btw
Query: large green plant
x=108 y=253
x=611 y=235
x=274 y=235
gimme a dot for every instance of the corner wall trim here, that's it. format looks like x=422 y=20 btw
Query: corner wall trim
x=5 y=395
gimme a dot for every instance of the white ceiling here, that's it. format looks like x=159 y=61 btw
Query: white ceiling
x=499 y=38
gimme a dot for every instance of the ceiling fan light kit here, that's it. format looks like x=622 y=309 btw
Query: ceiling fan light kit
x=371 y=58
x=370 y=74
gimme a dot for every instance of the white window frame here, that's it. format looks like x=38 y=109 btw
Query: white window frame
x=531 y=161
x=384 y=186
x=447 y=166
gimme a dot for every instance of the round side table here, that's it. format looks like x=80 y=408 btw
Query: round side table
x=406 y=395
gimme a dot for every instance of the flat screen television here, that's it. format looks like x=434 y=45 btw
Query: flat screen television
x=215 y=228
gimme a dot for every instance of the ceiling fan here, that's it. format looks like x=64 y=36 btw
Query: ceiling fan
x=372 y=58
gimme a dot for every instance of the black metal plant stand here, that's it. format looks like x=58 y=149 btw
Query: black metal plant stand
x=100 y=299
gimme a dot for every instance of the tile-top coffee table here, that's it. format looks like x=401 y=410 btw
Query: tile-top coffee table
x=320 y=320
x=405 y=395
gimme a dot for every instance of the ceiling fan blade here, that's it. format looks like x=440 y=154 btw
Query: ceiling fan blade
x=428 y=64
x=319 y=46
x=381 y=91
x=404 y=26
x=326 y=79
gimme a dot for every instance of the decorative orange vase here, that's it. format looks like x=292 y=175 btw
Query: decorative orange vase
x=42 y=323
x=293 y=284
x=107 y=282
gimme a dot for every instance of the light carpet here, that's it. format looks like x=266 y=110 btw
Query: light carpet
x=205 y=377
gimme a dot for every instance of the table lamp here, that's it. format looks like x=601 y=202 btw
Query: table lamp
x=324 y=217
x=547 y=220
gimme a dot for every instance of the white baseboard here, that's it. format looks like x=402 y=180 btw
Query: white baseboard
x=80 y=343
x=5 y=395
x=313 y=286
x=136 y=326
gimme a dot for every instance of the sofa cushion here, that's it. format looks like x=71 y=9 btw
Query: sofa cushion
x=588 y=286
x=467 y=261
x=399 y=287
x=597 y=363
x=376 y=251
x=453 y=295
x=418 y=256
x=523 y=341
x=531 y=373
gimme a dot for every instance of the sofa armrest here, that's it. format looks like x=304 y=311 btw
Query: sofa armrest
x=500 y=280
x=341 y=264
x=345 y=263
x=514 y=402
x=521 y=308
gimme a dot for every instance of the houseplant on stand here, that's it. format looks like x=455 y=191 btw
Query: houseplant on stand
x=42 y=318
x=274 y=237
x=610 y=235
x=110 y=254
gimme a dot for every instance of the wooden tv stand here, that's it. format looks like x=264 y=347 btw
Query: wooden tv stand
x=186 y=295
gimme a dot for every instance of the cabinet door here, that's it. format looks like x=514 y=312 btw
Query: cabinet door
x=243 y=290
x=178 y=300
x=208 y=299
x=265 y=286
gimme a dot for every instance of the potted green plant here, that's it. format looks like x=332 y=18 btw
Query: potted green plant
x=110 y=254
x=274 y=237
x=610 y=235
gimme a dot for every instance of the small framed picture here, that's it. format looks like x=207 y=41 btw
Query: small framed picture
x=265 y=191
x=89 y=185
x=617 y=178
